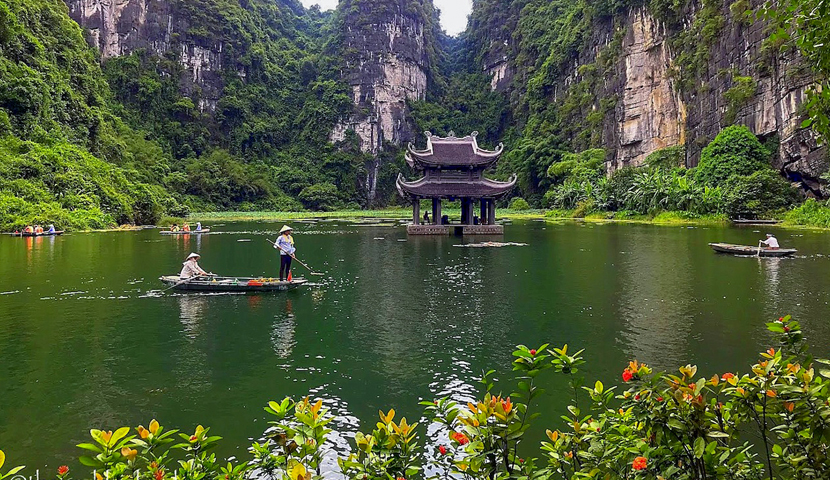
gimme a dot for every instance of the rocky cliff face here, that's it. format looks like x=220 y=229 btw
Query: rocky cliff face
x=385 y=45
x=386 y=64
x=120 y=27
x=658 y=104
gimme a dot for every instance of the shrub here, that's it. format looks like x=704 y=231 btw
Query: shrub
x=322 y=196
x=810 y=213
x=671 y=157
x=735 y=151
x=761 y=193
x=518 y=203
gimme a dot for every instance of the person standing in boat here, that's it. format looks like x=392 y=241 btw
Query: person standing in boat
x=285 y=244
x=198 y=226
x=771 y=242
x=51 y=228
x=191 y=268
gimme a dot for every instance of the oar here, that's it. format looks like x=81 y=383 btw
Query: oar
x=759 y=249
x=186 y=280
x=297 y=259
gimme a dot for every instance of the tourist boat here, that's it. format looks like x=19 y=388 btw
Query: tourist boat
x=183 y=232
x=44 y=234
x=749 y=250
x=231 y=284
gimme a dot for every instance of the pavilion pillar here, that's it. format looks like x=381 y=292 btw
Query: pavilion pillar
x=416 y=211
x=482 y=217
x=491 y=212
x=436 y=211
x=467 y=211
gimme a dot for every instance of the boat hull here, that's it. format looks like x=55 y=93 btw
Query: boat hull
x=44 y=234
x=231 y=284
x=192 y=232
x=750 y=250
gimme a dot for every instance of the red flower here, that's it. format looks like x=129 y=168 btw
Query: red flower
x=781 y=319
x=193 y=438
x=786 y=329
x=533 y=352
x=159 y=474
x=521 y=460
x=640 y=463
x=63 y=470
x=460 y=438
x=627 y=375
x=726 y=376
x=636 y=397
x=659 y=399
x=442 y=449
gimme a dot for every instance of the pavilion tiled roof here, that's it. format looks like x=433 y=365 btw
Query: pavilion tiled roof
x=452 y=152
x=480 y=188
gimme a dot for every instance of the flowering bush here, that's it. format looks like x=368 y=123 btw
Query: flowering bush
x=676 y=425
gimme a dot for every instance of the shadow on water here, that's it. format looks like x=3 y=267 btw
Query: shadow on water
x=88 y=338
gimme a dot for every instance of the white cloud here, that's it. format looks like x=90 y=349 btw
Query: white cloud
x=453 y=12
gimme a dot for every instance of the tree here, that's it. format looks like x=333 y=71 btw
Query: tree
x=735 y=151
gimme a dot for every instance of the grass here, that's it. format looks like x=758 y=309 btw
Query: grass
x=811 y=214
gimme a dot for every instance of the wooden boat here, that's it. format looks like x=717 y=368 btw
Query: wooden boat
x=231 y=284
x=44 y=234
x=755 y=222
x=182 y=232
x=749 y=250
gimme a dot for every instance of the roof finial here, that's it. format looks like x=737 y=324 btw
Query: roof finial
x=451 y=134
x=474 y=134
x=428 y=133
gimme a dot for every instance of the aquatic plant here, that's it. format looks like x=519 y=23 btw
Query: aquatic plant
x=678 y=425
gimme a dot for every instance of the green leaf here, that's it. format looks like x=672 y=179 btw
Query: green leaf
x=90 y=462
x=700 y=446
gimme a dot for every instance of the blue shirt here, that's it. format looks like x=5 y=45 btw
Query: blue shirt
x=285 y=244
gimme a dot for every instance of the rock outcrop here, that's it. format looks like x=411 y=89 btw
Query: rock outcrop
x=120 y=27
x=653 y=110
x=385 y=46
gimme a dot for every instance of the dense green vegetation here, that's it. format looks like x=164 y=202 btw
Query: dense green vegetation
x=256 y=135
x=61 y=149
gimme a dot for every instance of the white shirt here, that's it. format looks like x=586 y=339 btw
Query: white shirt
x=771 y=242
x=191 y=269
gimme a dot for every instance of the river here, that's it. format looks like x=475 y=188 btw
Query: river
x=87 y=340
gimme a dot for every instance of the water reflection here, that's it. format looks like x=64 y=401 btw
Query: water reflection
x=282 y=332
x=769 y=269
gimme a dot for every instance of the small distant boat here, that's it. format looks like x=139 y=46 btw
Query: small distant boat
x=741 y=221
x=231 y=284
x=44 y=234
x=750 y=250
x=183 y=232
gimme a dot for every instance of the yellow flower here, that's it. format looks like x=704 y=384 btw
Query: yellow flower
x=98 y=476
x=142 y=432
x=553 y=436
x=299 y=472
x=129 y=453
x=386 y=418
x=2 y=458
x=154 y=426
x=199 y=430
x=106 y=436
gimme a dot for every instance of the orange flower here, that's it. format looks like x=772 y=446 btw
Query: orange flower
x=154 y=465
x=129 y=453
x=726 y=376
x=640 y=463
x=106 y=436
x=771 y=352
x=158 y=474
x=790 y=406
x=98 y=476
x=507 y=405
x=460 y=438
x=142 y=432
x=771 y=393
x=63 y=470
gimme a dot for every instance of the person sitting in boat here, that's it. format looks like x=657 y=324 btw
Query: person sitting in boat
x=38 y=230
x=29 y=229
x=186 y=227
x=191 y=268
x=175 y=227
x=198 y=226
x=285 y=244
x=771 y=242
x=51 y=228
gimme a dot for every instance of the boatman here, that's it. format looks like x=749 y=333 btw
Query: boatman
x=771 y=242
x=285 y=244
x=191 y=268
x=51 y=229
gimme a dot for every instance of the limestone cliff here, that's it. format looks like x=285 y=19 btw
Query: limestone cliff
x=670 y=84
x=120 y=27
x=388 y=51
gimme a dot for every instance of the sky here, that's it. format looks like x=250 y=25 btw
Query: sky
x=453 y=12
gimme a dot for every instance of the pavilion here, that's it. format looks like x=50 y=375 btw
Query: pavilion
x=454 y=169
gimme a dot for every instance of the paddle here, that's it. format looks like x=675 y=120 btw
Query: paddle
x=188 y=280
x=297 y=259
x=759 y=249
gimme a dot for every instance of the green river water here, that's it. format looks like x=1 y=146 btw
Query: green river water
x=86 y=339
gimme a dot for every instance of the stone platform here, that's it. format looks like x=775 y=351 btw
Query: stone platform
x=455 y=229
